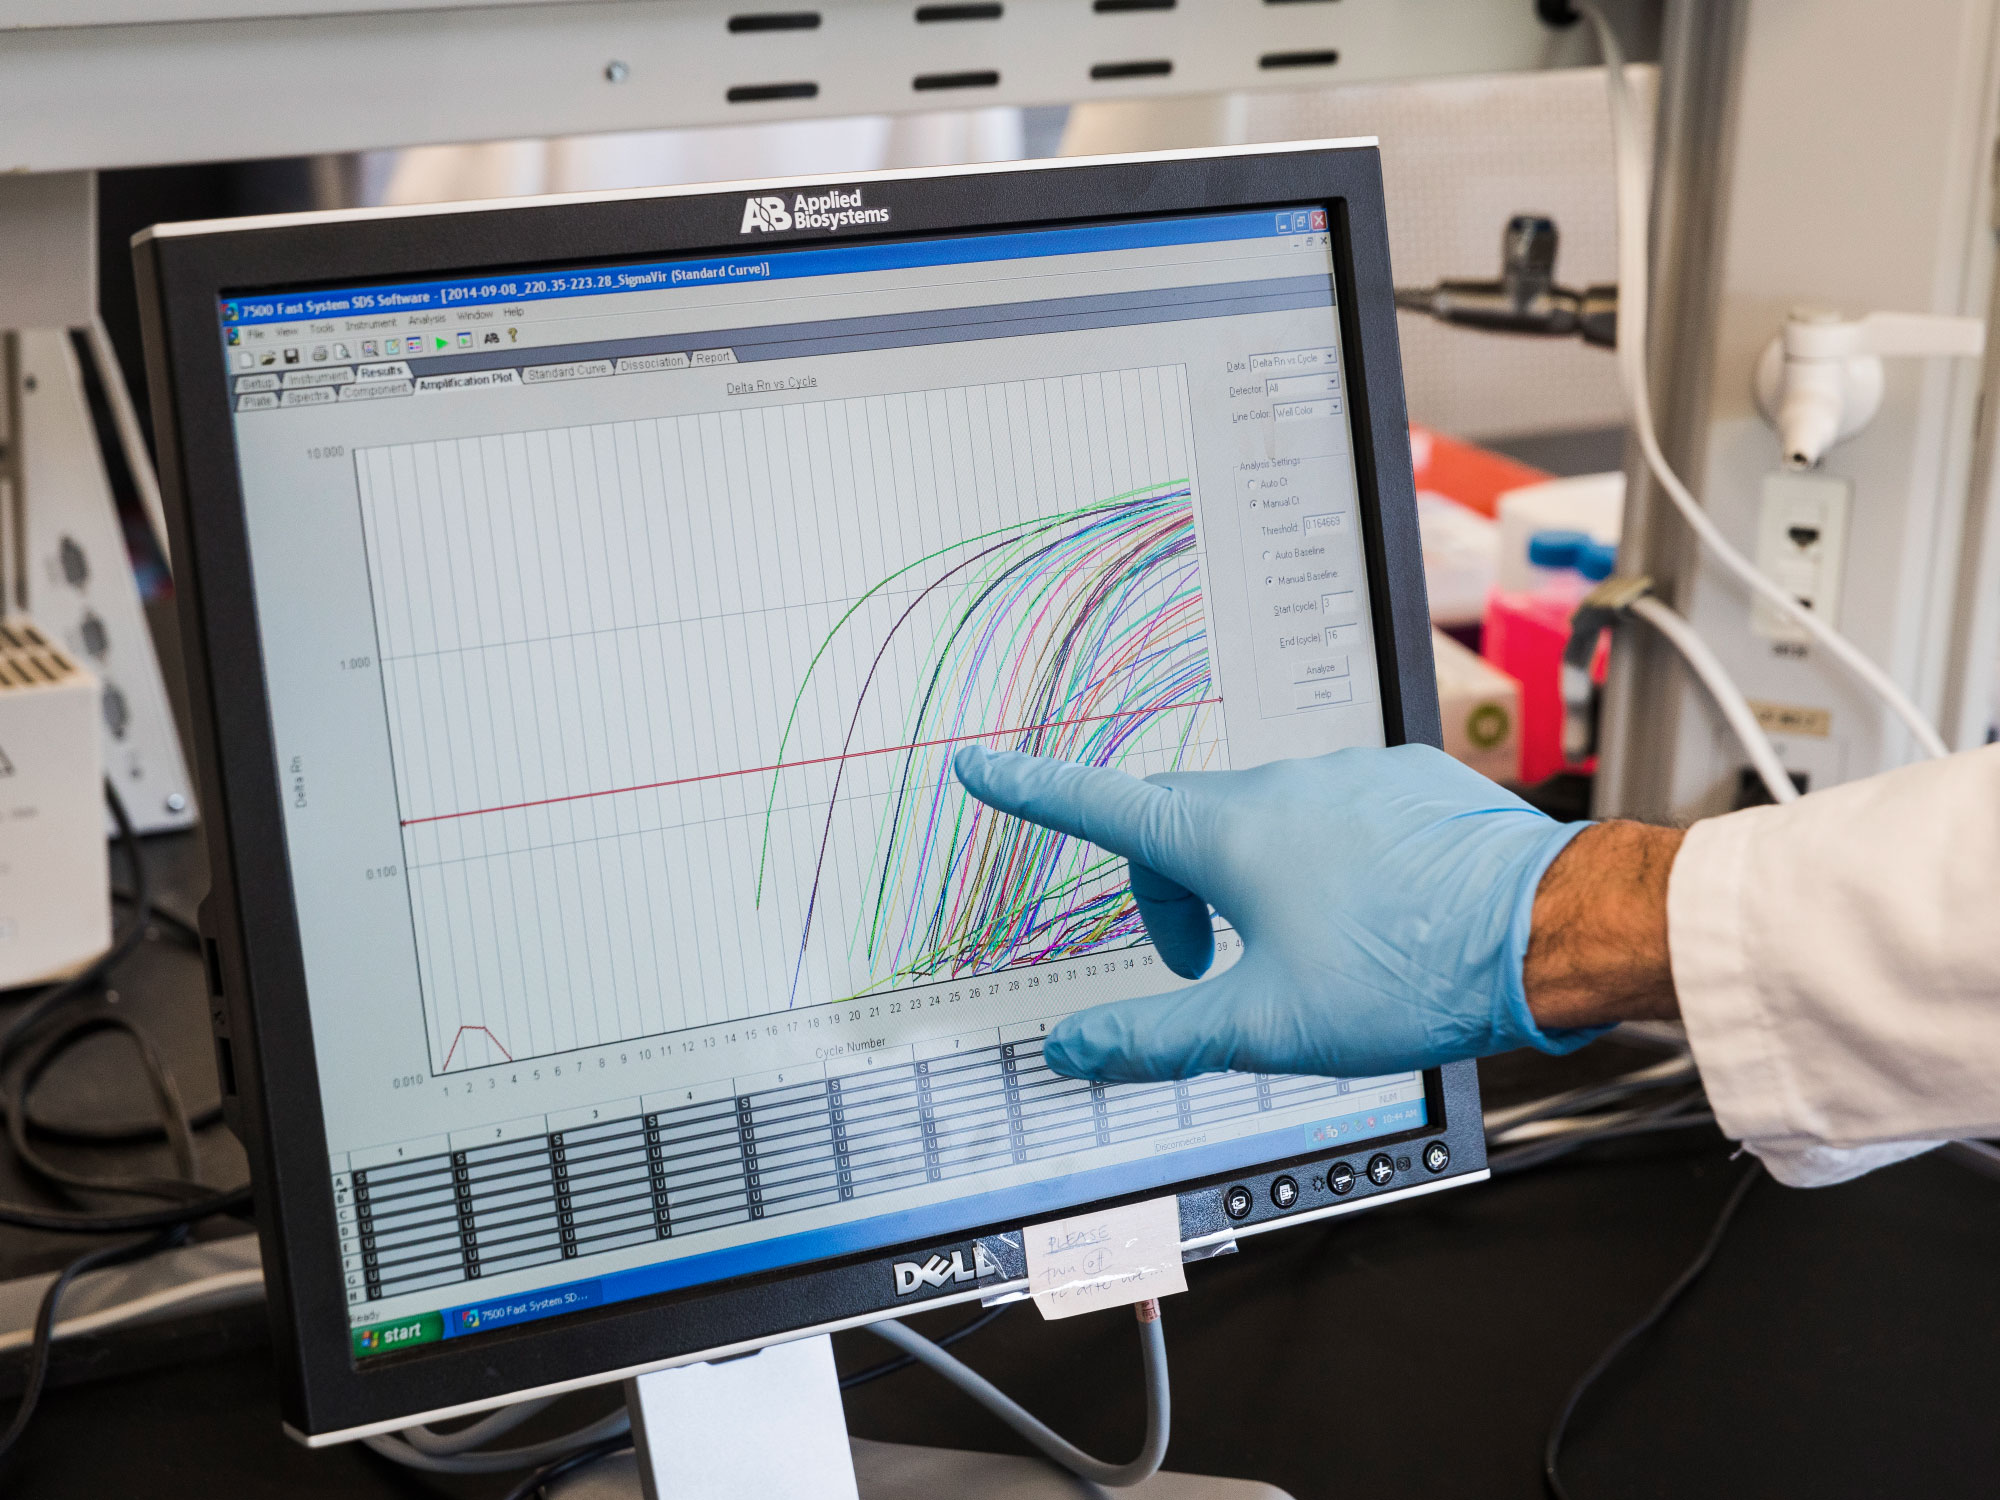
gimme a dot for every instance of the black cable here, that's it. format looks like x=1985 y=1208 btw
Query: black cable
x=41 y=1347
x=904 y=1361
x=63 y=1221
x=185 y=1186
x=175 y=1125
x=182 y=929
x=146 y=912
x=569 y=1463
x=165 y=1226
x=118 y=1133
x=1552 y=1450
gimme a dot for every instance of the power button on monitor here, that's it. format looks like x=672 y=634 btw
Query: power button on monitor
x=1437 y=1156
x=1238 y=1202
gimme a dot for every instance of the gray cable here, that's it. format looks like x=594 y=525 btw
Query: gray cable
x=485 y=1430
x=501 y=1460
x=1976 y=1156
x=1057 y=1449
x=1535 y=1154
x=1674 y=1073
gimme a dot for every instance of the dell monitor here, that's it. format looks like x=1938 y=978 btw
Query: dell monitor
x=583 y=598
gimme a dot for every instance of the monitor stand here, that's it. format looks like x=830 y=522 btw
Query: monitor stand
x=770 y=1426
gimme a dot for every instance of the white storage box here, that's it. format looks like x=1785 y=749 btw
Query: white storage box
x=1482 y=710
x=1591 y=503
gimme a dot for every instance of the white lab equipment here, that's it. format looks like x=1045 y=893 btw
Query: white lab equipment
x=1461 y=558
x=53 y=862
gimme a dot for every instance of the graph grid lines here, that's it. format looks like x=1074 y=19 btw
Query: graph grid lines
x=671 y=702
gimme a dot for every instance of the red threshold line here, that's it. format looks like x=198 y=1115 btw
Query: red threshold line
x=955 y=739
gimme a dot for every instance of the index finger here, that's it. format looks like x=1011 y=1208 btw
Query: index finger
x=1117 y=812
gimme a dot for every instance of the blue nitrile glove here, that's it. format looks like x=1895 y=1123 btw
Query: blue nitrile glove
x=1383 y=898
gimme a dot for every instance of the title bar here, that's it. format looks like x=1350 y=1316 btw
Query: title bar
x=783 y=265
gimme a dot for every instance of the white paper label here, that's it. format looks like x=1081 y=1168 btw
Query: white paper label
x=1110 y=1259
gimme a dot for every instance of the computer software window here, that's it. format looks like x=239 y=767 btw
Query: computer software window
x=621 y=623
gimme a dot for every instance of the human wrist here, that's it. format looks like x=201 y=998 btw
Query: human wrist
x=1597 y=948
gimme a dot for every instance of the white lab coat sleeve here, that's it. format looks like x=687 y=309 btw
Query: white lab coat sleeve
x=1838 y=966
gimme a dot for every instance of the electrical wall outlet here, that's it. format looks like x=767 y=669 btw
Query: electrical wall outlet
x=1801 y=547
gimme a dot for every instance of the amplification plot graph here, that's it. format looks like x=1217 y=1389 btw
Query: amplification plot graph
x=672 y=702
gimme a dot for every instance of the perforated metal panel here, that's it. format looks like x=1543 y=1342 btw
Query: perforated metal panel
x=78 y=92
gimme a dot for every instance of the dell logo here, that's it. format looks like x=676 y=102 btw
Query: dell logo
x=940 y=1270
x=765 y=213
x=934 y=1272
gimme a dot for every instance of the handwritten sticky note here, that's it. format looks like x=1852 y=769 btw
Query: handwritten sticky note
x=1110 y=1259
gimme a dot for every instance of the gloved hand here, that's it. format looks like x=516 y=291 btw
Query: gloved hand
x=1383 y=898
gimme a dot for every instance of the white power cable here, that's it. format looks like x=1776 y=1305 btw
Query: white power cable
x=1633 y=212
x=1728 y=697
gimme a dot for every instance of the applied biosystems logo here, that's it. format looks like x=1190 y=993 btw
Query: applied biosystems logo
x=831 y=210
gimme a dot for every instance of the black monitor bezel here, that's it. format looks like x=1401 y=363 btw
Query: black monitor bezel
x=260 y=1013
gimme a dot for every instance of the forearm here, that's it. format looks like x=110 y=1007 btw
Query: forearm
x=1598 y=951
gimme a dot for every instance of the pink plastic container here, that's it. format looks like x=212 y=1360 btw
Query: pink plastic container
x=1524 y=636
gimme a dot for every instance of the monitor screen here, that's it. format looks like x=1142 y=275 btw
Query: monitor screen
x=620 y=622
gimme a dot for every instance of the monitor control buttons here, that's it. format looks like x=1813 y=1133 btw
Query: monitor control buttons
x=1381 y=1167
x=1285 y=1192
x=1340 y=1179
x=1437 y=1156
x=1238 y=1202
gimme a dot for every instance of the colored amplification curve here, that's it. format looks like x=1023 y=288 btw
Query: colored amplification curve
x=1082 y=637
